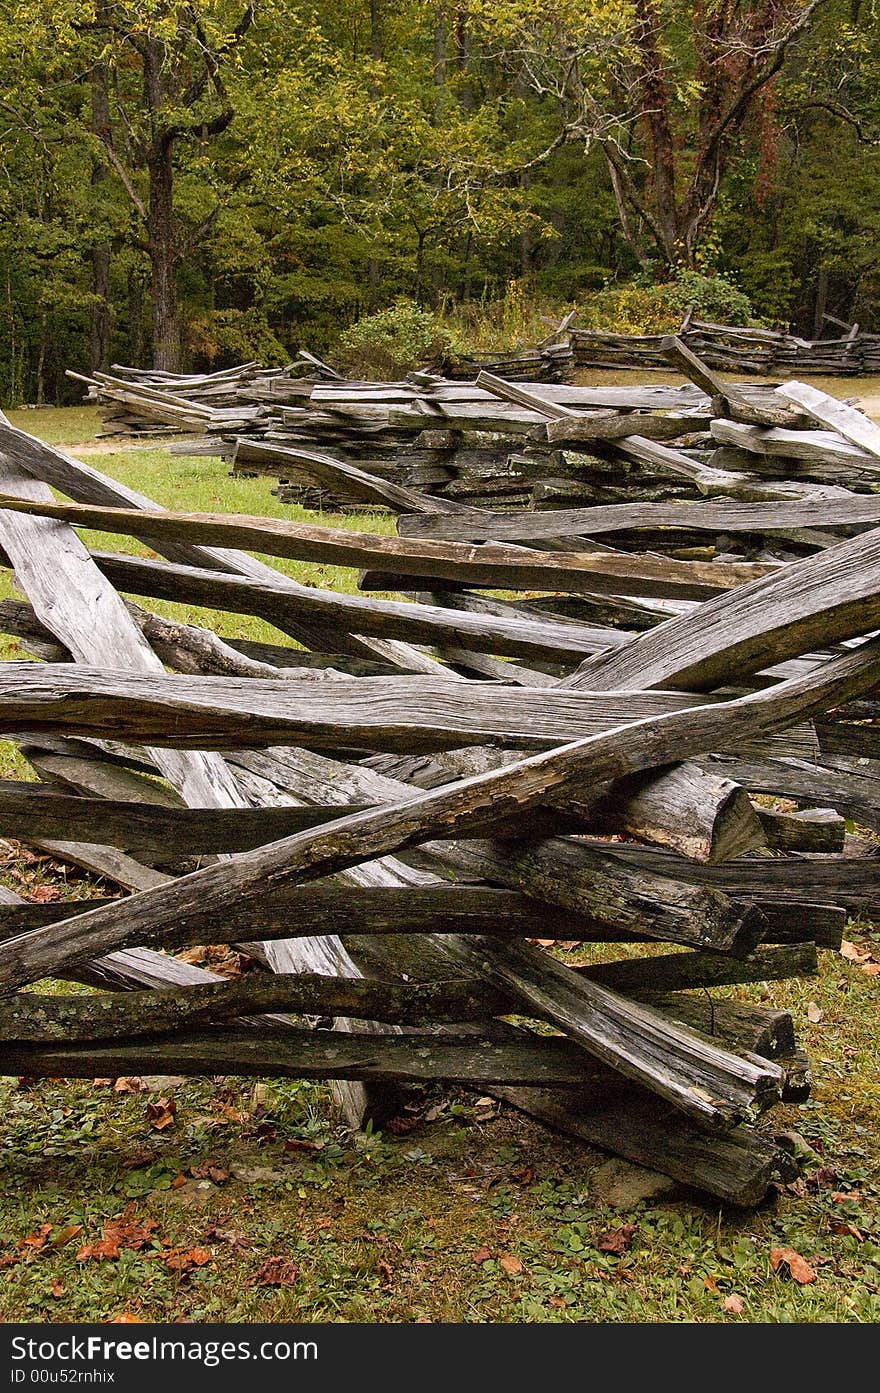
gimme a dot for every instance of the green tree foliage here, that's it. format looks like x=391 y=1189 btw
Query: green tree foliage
x=193 y=182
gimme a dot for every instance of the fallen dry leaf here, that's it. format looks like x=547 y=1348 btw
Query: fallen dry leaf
x=129 y=1085
x=510 y=1264
x=853 y=953
x=123 y=1232
x=481 y=1255
x=849 y=1229
x=815 y=1012
x=209 y=1171
x=556 y=1301
x=277 y=1272
x=160 y=1114
x=871 y=969
x=33 y=1241
x=42 y=893
x=842 y=1196
x=127 y=1319
x=617 y=1240
x=733 y=1304
x=786 y=1259
x=710 y=1283
x=183 y=1259
x=56 y=1289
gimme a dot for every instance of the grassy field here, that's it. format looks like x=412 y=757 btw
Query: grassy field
x=221 y=1199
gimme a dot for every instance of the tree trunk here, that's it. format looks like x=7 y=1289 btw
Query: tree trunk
x=163 y=260
x=99 y=336
x=161 y=238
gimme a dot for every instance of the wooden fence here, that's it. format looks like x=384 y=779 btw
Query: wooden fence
x=392 y=809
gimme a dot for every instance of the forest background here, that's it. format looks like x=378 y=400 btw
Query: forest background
x=189 y=185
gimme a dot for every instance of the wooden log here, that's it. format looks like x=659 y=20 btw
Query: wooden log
x=733 y=401
x=346 y=479
x=825 y=599
x=525 y=529
x=31 y=1018
x=313 y=1054
x=709 y=1085
x=737 y=1167
x=495 y=566
x=375 y=713
x=815 y=829
x=60 y=578
x=452 y=811
x=742 y=1024
x=561 y=871
x=674 y=972
x=89 y=486
x=274 y=603
x=814 y=447
x=839 y=416
x=853 y=795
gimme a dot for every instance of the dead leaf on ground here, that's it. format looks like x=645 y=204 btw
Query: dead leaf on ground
x=209 y=1171
x=38 y=1239
x=123 y=1232
x=787 y=1260
x=510 y=1264
x=815 y=1012
x=481 y=1255
x=277 y=1272
x=734 y=1304
x=129 y=1085
x=161 y=1113
x=183 y=1259
x=853 y=953
x=56 y=1289
x=617 y=1240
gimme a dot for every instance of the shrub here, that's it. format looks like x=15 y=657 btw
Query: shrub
x=637 y=307
x=392 y=342
x=710 y=297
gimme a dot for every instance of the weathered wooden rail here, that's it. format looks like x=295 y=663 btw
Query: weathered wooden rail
x=388 y=816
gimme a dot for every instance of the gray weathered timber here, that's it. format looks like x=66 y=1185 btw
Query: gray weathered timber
x=28 y=1017
x=813 y=447
x=709 y=1085
x=737 y=1167
x=526 y=528
x=89 y=486
x=815 y=829
x=760 y=1029
x=371 y=712
x=839 y=416
x=562 y=871
x=314 y=1054
x=675 y=972
x=374 y=910
x=826 y=598
x=493 y=565
x=344 y=478
x=361 y=837
x=852 y=794
x=728 y=395
x=514 y=636
x=51 y=562
x=684 y=808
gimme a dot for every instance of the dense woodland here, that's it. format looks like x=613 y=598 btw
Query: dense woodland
x=194 y=184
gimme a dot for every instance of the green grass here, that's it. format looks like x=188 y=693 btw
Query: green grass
x=411 y=1224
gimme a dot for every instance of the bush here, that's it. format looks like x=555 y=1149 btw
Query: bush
x=640 y=308
x=710 y=297
x=392 y=342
